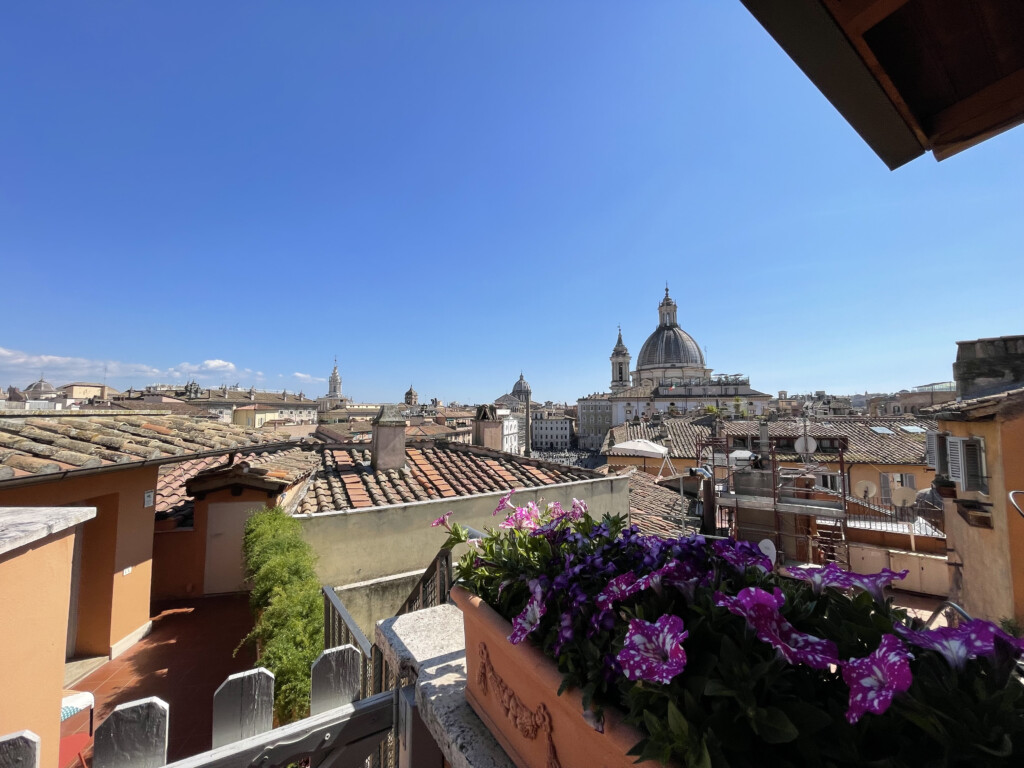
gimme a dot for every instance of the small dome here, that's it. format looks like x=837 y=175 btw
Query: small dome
x=521 y=386
x=41 y=387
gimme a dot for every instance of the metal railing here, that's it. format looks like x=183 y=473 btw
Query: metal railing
x=433 y=587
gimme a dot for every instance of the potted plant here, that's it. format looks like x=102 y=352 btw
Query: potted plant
x=945 y=487
x=711 y=657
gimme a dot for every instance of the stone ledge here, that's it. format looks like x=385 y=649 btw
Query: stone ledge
x=431 y=645
x=20 y=526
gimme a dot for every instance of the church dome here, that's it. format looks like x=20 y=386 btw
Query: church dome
x=669 y=346
x=520 y=387
x=40 y=388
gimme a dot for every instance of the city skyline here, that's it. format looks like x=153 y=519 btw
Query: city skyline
x=445 y=196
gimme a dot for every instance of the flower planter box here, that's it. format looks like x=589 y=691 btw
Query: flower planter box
x=514 y=690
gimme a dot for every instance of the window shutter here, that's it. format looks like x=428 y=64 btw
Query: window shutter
x=883 y=483
x=954 y=456
x=931 y=440
x=909 y=481
x=973 y=478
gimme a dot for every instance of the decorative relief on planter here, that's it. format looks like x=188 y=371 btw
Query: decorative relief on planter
x=529 y=722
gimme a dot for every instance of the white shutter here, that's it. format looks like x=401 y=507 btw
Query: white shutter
x=931 y=441
x=955 y=458
x=884 y=486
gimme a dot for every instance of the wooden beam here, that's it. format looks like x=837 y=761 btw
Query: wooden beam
x=854 y=29
x=809 y=35
x=859 y=16
x=980 y=116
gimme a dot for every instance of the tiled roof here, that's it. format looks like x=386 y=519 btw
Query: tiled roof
x=657 y=510
x=955 y=407
x=864 y=444
x=40 y=445
x=344 y=478
x=136 y=404
x=429 y=429
x=345 y=431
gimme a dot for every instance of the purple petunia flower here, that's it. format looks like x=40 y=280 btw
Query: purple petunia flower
x=503 y=504
x=529 y=619
x=565 y=632
x=958 y=644
x=742 y=555
x=442 y=521
x=875 y=679
x=832 y=575
x=654 y=651
x=761 y=610
x=618 y=589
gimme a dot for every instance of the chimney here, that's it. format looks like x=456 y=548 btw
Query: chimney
x=388 y=444
x=988 y=366
x=487 y=428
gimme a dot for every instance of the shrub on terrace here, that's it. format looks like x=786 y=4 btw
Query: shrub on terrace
x=286 y=599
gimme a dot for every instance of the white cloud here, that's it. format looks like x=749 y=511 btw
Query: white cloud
x=307 y=378
x=21 y=368
x=207 y=366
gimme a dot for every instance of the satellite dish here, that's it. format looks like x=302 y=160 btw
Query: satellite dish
x=806 y=444
x=767 y=546
x=865 y=489
x=903 y=497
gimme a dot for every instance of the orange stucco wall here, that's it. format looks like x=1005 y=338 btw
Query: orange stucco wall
x=180 y=555
x=112 y=604
x=35 y=587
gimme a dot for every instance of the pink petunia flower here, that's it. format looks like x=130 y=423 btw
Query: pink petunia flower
x=529 y=619
x=442 y=521
x=522 y=519
x=578 y=510
x=503 y=504
x=654 y=651
x=958 y=644
x=761 y=610
x=874 y=680
x=832 y=575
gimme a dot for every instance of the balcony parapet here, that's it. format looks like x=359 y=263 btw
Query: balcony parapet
x=430 y=645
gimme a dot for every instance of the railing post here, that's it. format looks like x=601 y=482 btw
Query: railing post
x=19 y=750
x=134 y=735
x=335 y=679
x=243 y=706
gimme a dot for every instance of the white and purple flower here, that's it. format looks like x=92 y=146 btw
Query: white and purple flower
x=442 y=521
x=529 y=619
x=761 y=610
x=958 y=644
x=654 y=651
x=832 y=575
x=742 y=555
x=874 y=680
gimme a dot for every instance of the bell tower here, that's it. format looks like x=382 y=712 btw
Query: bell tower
x=620 y=365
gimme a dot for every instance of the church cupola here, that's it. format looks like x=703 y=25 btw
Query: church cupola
x=620 y=365
x=334 y=383
x=667 y=310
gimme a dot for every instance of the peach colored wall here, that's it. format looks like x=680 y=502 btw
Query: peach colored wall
x=111 y=603
x=35 y=586
x=180 y=556
x=984 y=585
x=1012 y=471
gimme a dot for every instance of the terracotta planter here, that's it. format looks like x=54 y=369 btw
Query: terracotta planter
x=514 y=690
x=946 y=491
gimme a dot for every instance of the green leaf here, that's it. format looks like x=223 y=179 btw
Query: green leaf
x=772 y=725
x=677 y=724
x=715 y=687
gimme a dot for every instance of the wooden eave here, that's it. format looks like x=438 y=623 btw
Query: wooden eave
x=907 y=75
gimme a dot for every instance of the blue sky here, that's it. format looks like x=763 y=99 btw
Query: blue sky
x=447 y=193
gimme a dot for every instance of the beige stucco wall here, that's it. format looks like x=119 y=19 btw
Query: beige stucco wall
x=355 y=545
x=370 y=601
x=983 y=583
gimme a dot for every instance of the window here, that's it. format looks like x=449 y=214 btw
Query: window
x=832 y=481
